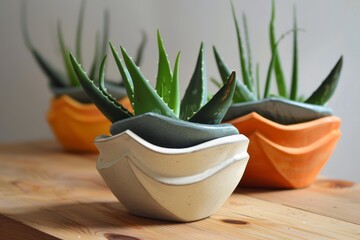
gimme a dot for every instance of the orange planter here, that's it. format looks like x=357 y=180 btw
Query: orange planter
x=286 y=156
x=76 y=125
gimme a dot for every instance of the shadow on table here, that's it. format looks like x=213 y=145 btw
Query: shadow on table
x=321 y=183
x=80 y=216
x=254 y=190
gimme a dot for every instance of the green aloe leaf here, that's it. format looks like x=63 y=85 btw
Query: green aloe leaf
x=196 y=93
x=164 y=76
x=242 y=93
x=174 y=99
x=79 y=31
x=279 y=75
x=64 y=51
x=95 y=60
x=214 y=111
x=105 y=33
x=268 y=77
x=24 y=29
x=294 y=81
x=124 y=74
x=272 y=64
x=55 y=77
x=258 y=81
x=140 y=50
x=248 y=51
x=100 y=48
x=323 y=93
x=102 y=86
x=145 y=97
x=105 y=103
x=245 y=74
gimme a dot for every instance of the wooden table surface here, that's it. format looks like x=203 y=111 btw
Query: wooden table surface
x=46 y=193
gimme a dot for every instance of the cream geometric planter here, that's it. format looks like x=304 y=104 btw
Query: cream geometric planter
x=177 y=184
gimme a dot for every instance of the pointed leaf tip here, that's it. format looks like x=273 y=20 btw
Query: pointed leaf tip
x=145 y=97
x=164 y=75
x=214 y=111
x=129 y=86
x=242 y=93
x=196 y=93
x=324 y=92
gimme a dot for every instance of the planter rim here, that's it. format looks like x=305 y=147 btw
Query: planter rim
x=104 y=139
x=296 y=126
x=283 y=111
x=172 y=133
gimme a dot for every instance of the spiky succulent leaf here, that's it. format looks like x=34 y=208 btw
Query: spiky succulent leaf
x=279 y=75
x=100 y=47
x=294 y=81
x=79 y=31
x=102 y=86
x=258 y=80
x=244 y=71
x=242 y=93
x=105 y=103
x=56 y=79
x=248 y=51
x=270 y=68
x=323 y=93
x=95 y=60
x=106 y=32
x=140 y=50
x=64 y=51
x=164 y=75
x=174 y=98
x=123 y=71
x=124 y=74
x=268 y=77
x=145 y=97
x=272 y=64
x=196 y=93
x=24 y=29
x=214 y=111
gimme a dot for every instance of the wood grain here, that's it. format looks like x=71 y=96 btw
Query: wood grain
x=14 y=230
x=338 y=199
x=46 y=191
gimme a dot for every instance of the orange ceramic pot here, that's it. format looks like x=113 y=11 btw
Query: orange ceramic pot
x=286 y=156
x=76 y=125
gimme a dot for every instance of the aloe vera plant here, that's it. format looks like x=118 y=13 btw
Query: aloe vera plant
x=247 y=90
x=165 y=98
x=67 y=83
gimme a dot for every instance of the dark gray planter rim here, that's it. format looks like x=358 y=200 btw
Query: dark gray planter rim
x=171 y=133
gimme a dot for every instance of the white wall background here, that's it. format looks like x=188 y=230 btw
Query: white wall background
x=332 y=29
